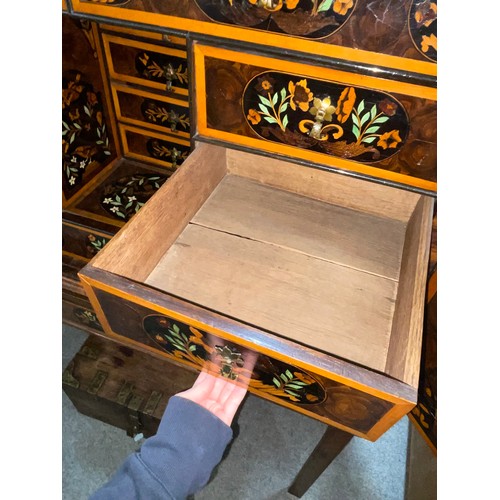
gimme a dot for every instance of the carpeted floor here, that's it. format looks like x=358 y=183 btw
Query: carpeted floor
x=272 y=445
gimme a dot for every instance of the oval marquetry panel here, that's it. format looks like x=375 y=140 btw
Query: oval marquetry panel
x=270 y=376
x=304 y=18
x=340 y=120
x=422 y=24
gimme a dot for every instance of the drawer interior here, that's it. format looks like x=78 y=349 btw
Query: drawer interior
x=332 y=262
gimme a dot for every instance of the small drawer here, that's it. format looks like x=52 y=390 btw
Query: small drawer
x=160 y=68
x=137 y=107
x=158 y=149
x=83 y=241
x=79 y=313
x=319 y=276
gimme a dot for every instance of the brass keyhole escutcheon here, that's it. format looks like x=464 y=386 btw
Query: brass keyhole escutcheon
x=170 y=75
x=230 y=359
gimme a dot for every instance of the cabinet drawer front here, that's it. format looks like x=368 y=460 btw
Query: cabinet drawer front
x=137 y=107
x=402 y=36
x=83 y=241
x=369 y=126
x=78 y=312
x=160 y=68
x=335 y=400
x=158 y=149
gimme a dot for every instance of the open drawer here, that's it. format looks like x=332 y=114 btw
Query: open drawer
x=319 y=277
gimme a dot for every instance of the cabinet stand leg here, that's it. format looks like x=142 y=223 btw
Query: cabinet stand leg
x=331 y=444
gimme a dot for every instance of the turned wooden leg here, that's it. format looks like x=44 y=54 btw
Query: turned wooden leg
x=330 y=445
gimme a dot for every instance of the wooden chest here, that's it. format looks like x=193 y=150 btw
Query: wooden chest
x=121 y=386
x=297 y=233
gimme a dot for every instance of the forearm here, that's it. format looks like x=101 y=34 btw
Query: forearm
x=177 y=461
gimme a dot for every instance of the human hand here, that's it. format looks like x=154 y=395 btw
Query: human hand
x=218 y=395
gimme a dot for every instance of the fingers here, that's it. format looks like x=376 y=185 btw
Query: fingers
x=220 y=385
x=232 y=402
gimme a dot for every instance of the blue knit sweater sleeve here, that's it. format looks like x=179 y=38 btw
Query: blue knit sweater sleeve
x=177 y=461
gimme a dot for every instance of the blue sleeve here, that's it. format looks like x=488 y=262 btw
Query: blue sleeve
x=177 y=461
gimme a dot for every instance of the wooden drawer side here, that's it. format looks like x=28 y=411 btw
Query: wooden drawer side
x=189 y=189
x=403 y=360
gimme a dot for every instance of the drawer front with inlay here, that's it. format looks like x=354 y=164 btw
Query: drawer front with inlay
x=145 y=109
x=370 y=126
x=160 y=68
x=78 y=312
x=83 y=241
x=341 y=402
x=155 y=148
x=402 y=33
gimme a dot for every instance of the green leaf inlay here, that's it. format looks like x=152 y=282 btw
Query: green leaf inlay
x=380 y=119
x=355 y=131
x=265 y=101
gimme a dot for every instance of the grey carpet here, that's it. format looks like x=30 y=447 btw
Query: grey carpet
x=262 y=461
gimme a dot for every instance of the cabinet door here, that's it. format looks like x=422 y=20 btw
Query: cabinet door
x=88 y=143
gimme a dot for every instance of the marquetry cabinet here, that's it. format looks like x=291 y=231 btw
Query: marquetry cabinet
x=262 y=197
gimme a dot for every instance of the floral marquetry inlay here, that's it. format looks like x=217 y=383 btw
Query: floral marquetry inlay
x=269 y=376
x=124 y=198
x=348 y=122
x=163 y=68
x=166 y=151
x=95 y=243
x=422 y=23
x=86 y=317
x=109 y=2
x=85 y=139
x=303 y=18
x=173 y=117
